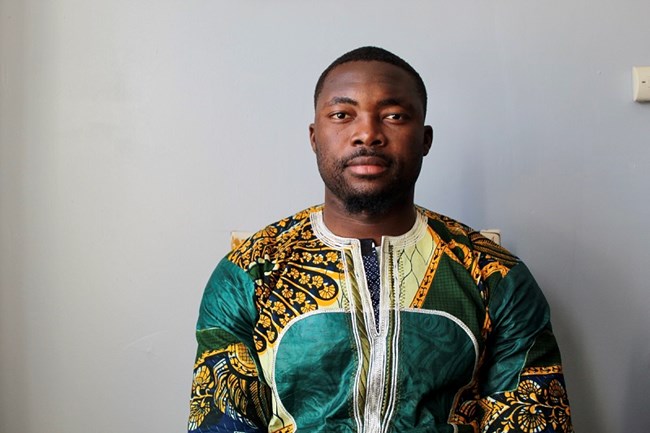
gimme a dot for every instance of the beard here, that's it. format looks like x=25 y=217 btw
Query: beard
x=372 y=201
x=372 y=204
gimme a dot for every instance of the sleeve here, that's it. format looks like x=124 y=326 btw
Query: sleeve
x=228 y=393
x=519 y=385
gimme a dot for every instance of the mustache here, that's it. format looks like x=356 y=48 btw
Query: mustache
x=365 y=151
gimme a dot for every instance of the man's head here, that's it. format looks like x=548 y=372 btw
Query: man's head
x=368 y=132
x=373 y=54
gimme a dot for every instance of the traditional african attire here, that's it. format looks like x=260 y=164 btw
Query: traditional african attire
x=461 y=340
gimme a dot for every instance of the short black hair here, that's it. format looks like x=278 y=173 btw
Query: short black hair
x=374 y=54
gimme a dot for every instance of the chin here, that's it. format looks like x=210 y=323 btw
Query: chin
x=373 y=204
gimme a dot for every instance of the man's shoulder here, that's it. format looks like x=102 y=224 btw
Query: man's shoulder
x=445 y=226
x=465 y=240
x=264 y=245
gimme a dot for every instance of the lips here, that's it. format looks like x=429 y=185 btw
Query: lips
x=367 y=165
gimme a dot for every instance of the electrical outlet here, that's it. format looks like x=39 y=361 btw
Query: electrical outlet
x=641 y=78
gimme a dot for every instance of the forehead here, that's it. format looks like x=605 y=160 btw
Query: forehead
x=370 y=79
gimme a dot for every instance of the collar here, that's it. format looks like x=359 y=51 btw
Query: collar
x=415 y=233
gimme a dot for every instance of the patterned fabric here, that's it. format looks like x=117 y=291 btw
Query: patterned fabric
x=456 y=338
x=371 y=268
x=539 y=404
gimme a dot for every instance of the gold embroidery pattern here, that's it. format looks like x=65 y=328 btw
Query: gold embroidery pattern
x=477 y=262
x=456 y=228
x=226 y=382
x=476 y=242
x=493 y=267
x=486 y=246
x=475 y=268
x=534 y=371
x=287 y=429
x=265 y=243
x=465 y=259
x=539 y=404
x=308 y=278
x=202 y=392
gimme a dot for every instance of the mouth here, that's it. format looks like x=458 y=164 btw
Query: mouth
x=367 y=165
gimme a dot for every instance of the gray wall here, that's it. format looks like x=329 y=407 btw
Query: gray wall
x=136 y=135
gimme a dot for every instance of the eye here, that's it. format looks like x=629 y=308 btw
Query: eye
x=339 y=115
x=396 y=116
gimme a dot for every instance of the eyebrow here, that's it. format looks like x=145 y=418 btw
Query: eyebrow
x=388 y=102
x=342 y=100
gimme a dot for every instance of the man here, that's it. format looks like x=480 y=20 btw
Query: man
x=368 y=313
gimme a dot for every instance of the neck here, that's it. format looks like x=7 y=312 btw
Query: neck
x=396 y=221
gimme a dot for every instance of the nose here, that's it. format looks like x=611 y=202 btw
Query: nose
x=368 y=132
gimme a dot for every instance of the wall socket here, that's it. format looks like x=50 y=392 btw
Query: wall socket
x=641 y=78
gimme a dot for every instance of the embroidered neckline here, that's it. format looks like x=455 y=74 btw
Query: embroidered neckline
x=411 y=237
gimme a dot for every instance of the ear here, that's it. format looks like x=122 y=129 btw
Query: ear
x=312 y=136
x=428 y=139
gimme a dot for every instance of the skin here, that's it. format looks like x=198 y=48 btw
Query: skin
x=369 y=138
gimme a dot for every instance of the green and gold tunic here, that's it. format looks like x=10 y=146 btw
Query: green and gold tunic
x=288 y=340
